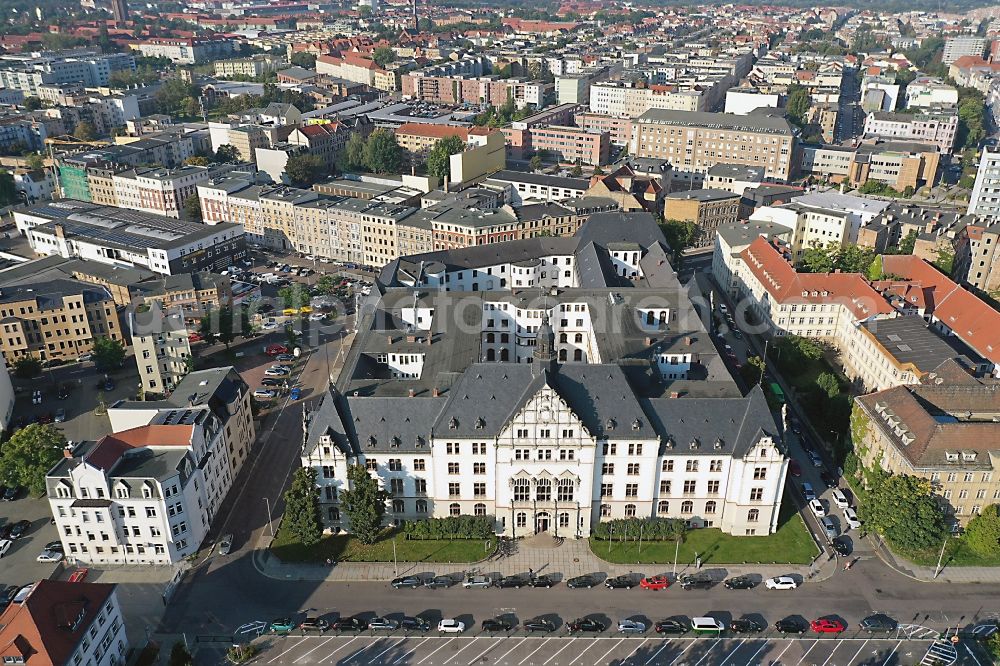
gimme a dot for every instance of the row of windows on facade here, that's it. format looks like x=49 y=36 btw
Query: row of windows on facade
x=157 y=549
x=69 y=530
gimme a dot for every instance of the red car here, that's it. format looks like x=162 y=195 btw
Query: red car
x=655 y=583
x=79 y=575
x=195 y=337
x=826 y=625
x=794 y=468
x=274 y=350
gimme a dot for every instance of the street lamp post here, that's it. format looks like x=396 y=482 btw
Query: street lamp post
x=677 y=549
x=270 y=523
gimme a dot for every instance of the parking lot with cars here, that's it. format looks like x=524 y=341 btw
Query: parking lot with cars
x=30 y=518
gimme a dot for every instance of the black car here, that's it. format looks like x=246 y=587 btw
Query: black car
x=746 y=626
x=879 y=623
x=515 y=582
x=314 y=624
x=5 y=530
x=627 y=582
x=541 y=581
x=19 y=529
x=791 y=625
x=11 y=493
x=828 y=479
x=109 y=384
x=64 y=390
x=670 y=626
x=587 y=581
x=740 y=583
x=842 y=546
x=496 y=624
x=271 y=381
x=414 y=624
x=696 y=582
x=55 y=546
x=439 y=581
x=585 y=624
x=406 y=581
x=354 y=623
x=538 y=624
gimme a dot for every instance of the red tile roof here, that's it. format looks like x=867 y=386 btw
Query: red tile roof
x=432 y=131
x=110 y=448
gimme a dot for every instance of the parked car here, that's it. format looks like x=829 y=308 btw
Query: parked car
x=226 y=544
x=382 y=624
x=671 y=626
x=879 y=623
x=842 y=547
x=109 y=384
x=406 y=581
x=438 y=582
x=828 y=479
x=740 y=583
x=285 y=358
x=353 y=623
x=746 y=626
x=817 y=461
x=11 y=493
x=55 y=546
x=851 y=518
x=265 y=394
x=627 y=582
x=808 y=492
x=49 y=556
x=5 y=545
x=451 y=626
x=829 y=528
x=539 y=624
x=828 y=625
x=515 y=582
x=696 y=582
x=79 y=575
x=631 y=627
x=282 y=625
x=496 y=624
x=840 y=499
x=654 y=583
x=541 y=581
x=586 y=580
x=314 y=624
x=477 y=582
x=781 y=583
x=60 y=416
x=791 y=625
x=414 y=624
x=19 y=529
x=585 y=624
x=794 y=468
x=817 y=508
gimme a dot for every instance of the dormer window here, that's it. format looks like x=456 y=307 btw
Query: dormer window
x=719 y=444
x=951 y=456
x=610 y=425
x=122 y=491
x=669 y=443
x=147 y=492
x=480 y=423
x=969 y=456
x=453 y=423
x=371 y=440
x=395 y=442
x=695 y=443
x=636 y=424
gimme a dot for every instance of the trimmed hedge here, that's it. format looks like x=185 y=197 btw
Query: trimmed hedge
x=452 y=527
x=652 y=529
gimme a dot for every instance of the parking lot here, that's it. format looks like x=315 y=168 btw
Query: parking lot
x=521 y=650
x=18 y=565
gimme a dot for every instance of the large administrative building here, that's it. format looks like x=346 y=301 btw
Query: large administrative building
x=551 y=383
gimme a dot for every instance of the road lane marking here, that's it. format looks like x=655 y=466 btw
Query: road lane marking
x=833 y=652
x=625 y=660
x=415 y=648
x=568 y=643
x=657 y=653
x=592 y=644
x=806 y=654
x=339 y=649
x=677 y=658
x=396 y=645
x=717 y=641
x=348 y=660
x=778 y=659
x=969 y=650
x=313 y=650
x=892 y=653
x=600 y=659
x=761 y=649
x=470 y=643
x=511 y=650
x=435 y=651
x=858 y=652
x=493 y=643
x=735 y=650
x=535 y=650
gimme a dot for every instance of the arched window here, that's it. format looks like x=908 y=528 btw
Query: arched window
x=578 y=338
x=398 y=506
x=687 y=506
x=563 y=338
x=480 y=509
x=421 y=506
x=504 y=355
x=562 y=354
x=490 y=338
x=563 y=520
x=663 y=316
x=710 y=506
x=454 y=509
x=504 y=338
x=605 y=511
x=650 y=317
x=630 y=510
x=577 y=354
x=543 y=490
x=663 y=506
x=753 y=515
x=490 y=355
x=522 y=519
x=334 y=514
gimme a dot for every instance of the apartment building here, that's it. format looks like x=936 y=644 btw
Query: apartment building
x=193 y=294
x=708 y=209
x=187 y=50
x=158 y=190
x=258 y=65
x=985 y=199
x=963 y=45
x=618 y=129
x=626 y=100
x=326 y=140
x=460 y=89
x=943 y=432
x=162 y=348
x=694 y=141
x=929 y=92
x=56 y=319
x=898 y=164
x=522 y=186
x=149 y=492
x=420 y=137
x=567 y=144
x=937 y=127
x=277 y=214
x=91 y=68
x=62 y=622
x=729 y=243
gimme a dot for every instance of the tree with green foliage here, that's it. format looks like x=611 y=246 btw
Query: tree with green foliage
x=439 y=158
x=85 y=131
x=382 y=153
x=207 y=329
x=302 y=517
x=828 y=384
x=798 y=104
x=536 y=162
x=198 y=160
x=305 y=169
x=971 y=118
x=850 y=259
x=32 y=103
x=29 y=454
x=908 y=243
x=109 y=354
x=680 y=234
x=982 y=534
x=304 y=59
x=227 y=153
x=27 y=367
x=353 y=156
x=383 y=55
x=903 y=510
x=327 y=285
x=294 y=296
x=8 y=192
x=173 y=94
x=364 y=504
x=945 y=261
x=191 y=107
x=752 y=370
x=192 y=209
x=34 y=162
x=576 y=171
x=179 y=655
x=232 y=322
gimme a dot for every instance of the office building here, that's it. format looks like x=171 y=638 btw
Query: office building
x=985 y=199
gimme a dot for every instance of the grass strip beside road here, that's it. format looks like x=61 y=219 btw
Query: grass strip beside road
x=790 y=544
x=345 y=548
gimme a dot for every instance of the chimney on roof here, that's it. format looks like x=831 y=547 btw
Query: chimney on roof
x=411 y=393
x=649 y=341
x=436 y=392
x=688 y=340
x=60 y=231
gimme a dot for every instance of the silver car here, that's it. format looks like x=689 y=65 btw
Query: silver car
x=477 y=581
x=382 y=624
x=226 y=544
x=631 y=627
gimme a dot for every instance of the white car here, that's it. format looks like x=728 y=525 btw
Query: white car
x=839 y=498
x=5 y=545
x=817 y=508
x=276 y=371
x=451 y=626
x=851 y=518
x=49 y=556
x=264 y=394
x=781 y=583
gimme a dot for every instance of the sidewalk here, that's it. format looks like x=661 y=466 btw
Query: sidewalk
x=957 y=575
x=571 y=558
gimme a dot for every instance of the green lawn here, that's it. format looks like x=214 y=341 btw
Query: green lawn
x=346 y=548
x=791 y=544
